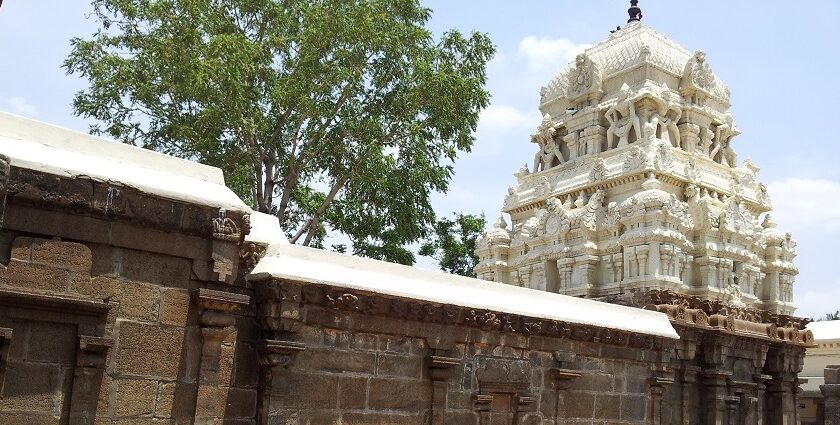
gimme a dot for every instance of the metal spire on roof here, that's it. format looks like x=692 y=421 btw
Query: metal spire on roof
x=634 y=11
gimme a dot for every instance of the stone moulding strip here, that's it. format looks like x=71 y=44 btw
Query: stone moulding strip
x=486 y=320
x=112 y=201
x=57 y=303
x=210 y=299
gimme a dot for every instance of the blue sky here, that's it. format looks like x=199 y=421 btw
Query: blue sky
x=780 y=60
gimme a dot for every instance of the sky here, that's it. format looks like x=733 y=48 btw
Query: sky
x=779 y=59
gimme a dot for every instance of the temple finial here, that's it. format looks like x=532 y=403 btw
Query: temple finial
x=634 y=11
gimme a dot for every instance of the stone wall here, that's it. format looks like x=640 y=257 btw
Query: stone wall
x=117 y=307
x=361 y=358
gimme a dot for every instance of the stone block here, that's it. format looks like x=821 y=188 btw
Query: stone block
x=138 y=301
x=352 y=393
x=134 y=397
x=58 y=254
x=633 y=407
x=175 y=307
x=32 y=387
x=165 y=400
x=380 y=419
x=364 y=341
x=321 y=417
x=240 y=403
x=28 y=418
x=336 y=361
x=394 y=344
x=246 y=373
x=34 y=277
x=399 y=394
x=580 y=405
x=99 y=288
x=154 y=268
x=149 y=350
x=210 y=402
x=52 y=343
x=399 y=366
x=608 y=406
x=461 y=418
x=301 y=390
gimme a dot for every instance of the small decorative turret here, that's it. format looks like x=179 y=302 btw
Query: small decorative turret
x=634 y=11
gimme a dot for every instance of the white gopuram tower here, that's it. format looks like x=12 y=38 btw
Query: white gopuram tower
x=635 y=186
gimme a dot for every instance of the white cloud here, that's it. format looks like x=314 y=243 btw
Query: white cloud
x=501 y=125
x=816 y=303
x=18 y=105
x=544 y=53
x=806 y=204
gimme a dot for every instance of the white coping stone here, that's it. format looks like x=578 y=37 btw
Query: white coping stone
x=51 y=149
x=265 y=229
x=303 y=264
x=825 y=331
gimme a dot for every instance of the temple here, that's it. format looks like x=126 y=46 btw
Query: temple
x=635 y=185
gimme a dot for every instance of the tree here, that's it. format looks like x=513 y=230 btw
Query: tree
x=829 y=317
x=452 y=243
x=330 y=114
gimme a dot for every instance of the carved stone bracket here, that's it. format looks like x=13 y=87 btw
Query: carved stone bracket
x=440 y=369
x=276 y=353
x=275 y=356
x=216 y=320
x=5 y=343
x=91 y=360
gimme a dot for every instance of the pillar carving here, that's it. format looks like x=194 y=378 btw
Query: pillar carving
x=594 y=137
x=217 y=321
x=275 y=356
x=91 y=357
x=689 y=136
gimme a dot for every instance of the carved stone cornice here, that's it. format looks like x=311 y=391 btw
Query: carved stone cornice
x=279 y=308
x=713 y=314
x=104 y=200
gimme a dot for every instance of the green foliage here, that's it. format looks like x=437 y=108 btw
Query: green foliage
x=452 y=243
x=338 y=115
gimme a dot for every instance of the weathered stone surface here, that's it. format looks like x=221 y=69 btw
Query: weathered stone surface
x=142 y=348
x=175 y=306
x=399 y=394
x=134 y=397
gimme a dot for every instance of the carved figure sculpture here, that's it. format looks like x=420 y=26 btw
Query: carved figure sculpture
x=697 y=72
x=549 y=154
x=671 y=112
x=585 y=77
x=722 y=151
x=706 y=141
x=622 y=118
